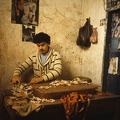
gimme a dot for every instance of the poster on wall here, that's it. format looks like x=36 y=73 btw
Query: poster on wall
x=25 y=12
x=115 y=24
x=28 y=32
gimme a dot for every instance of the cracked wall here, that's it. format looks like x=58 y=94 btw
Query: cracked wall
x=61 y=19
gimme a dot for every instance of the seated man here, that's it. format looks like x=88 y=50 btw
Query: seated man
x=46 y=62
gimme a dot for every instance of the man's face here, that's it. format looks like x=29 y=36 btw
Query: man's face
x=43 y=47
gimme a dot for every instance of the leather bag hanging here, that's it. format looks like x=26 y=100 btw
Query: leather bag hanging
x=85 y=33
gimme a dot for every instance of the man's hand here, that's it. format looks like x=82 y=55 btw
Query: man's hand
x=16 y=79
x=37 y=80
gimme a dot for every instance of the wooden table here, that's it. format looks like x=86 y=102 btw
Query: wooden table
x=100 y=108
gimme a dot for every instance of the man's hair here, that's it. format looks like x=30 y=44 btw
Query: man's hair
x=41 y=37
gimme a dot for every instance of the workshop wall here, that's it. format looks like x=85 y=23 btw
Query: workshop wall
x=61 y=19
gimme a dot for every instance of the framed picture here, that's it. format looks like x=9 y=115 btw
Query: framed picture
x=25 y=12
x=28 y=32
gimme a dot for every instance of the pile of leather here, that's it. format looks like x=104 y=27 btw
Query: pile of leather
x=75 y=103
x=23 y=101
x=23 y=105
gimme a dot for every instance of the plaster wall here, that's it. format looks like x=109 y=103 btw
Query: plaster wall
x=61 y=19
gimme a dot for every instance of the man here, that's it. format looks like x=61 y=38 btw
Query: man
x=46 y=62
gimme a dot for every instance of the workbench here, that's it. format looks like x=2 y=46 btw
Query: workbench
x=100 y=108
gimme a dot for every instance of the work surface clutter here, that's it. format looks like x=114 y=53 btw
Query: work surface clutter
x=24 y=102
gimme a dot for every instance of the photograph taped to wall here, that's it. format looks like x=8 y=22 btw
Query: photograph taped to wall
x=28 y=32
x=115 y=24
x=25 y=12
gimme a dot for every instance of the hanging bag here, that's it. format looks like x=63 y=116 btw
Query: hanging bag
x=85 y=33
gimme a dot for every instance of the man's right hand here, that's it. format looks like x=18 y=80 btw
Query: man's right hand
x=16 y=79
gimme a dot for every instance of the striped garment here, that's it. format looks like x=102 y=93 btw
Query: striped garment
x=51 y=70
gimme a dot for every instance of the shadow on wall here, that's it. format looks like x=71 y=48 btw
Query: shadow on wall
x=66 y=73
